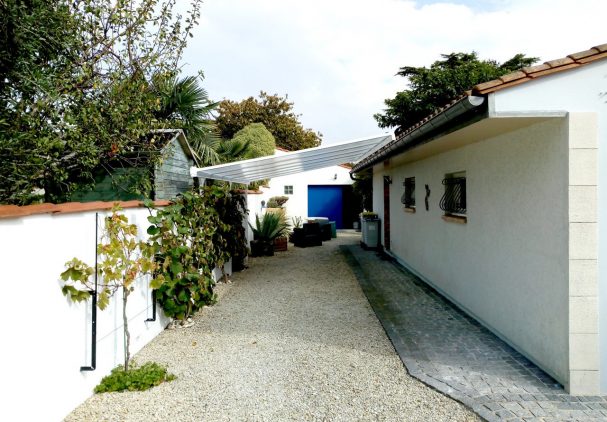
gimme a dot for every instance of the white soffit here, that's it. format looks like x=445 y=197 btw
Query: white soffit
x=293 y=162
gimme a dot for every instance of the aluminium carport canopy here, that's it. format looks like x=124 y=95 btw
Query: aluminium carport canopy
x=293 y=162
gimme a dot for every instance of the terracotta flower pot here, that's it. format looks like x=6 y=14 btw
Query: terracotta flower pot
x=280 y=244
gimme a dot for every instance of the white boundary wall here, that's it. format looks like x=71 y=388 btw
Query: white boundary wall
x=46 y=337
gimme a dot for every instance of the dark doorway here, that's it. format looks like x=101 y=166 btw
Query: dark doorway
x=332 y=201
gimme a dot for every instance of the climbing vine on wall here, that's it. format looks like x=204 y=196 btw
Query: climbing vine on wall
x=191 y=237
x=122 y=259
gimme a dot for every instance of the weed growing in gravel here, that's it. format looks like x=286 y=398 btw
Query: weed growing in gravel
x=135 y=379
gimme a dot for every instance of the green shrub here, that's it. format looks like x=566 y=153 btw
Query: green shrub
x=135 y=379
x=261 y=142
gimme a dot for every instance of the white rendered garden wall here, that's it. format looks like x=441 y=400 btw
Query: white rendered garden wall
x=46 y=338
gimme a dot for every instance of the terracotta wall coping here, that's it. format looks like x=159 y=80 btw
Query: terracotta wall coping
x=249 y=192
x=14 y=211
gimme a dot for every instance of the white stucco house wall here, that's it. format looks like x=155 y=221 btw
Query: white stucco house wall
x=297 y=188
x=514 y=174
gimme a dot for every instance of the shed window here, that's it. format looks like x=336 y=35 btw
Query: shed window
x=289 y=190
x=453 y=201
x=408 y=198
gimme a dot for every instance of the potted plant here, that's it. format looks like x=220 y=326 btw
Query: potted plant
x=368 y=215
x=297 y=229
x=270 y=227
x=282 y=241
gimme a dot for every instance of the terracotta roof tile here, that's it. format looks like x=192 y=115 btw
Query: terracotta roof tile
x=536 y=68
x=560 y=62
x=592 y=58
x=582 y=54
x=512 y=76
x=602 y=48
x=553 y=70
x=553 y=66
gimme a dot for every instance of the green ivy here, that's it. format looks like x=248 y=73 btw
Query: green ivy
x=232 y=210
x=135 y=379
x=190 y=238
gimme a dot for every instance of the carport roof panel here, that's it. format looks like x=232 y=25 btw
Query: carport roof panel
x=247 y=171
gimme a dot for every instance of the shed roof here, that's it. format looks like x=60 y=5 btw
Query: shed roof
x=293 y=162
x=168 y=135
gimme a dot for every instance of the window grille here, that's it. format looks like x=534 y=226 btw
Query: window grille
x=408 y=198
x=288 y=190
x=454 y=198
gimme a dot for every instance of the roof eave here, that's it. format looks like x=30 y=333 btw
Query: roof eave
x=466 y=109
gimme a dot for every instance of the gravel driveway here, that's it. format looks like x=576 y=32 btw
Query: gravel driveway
x=292 y=338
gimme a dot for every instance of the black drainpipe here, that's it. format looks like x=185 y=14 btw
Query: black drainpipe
x=94 y=310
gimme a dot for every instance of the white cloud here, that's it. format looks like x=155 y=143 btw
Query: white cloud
x=336 y=59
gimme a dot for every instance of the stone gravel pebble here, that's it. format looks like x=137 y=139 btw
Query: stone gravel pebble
x=291 y=338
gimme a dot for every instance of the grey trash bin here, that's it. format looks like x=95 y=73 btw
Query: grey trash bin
x=370 y=233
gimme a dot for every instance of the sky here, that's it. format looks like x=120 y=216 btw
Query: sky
x=336 y=60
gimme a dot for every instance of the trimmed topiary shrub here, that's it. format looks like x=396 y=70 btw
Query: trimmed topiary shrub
x=277 y=201
x=261 y=141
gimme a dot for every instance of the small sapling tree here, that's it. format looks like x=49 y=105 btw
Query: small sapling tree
x=122 y=260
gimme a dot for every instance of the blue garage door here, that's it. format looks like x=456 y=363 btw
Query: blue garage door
x=326 y=201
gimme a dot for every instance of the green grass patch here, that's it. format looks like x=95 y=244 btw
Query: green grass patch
x=135 y=379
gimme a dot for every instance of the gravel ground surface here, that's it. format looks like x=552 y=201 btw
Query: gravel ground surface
x=292 y=338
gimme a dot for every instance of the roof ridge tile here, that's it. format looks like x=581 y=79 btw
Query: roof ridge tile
x=537 y=68
x=512 y=76
x=583 y=54
x=601 y=47
x=560 y=62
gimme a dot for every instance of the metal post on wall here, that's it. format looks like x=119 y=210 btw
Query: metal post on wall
x=94 y=310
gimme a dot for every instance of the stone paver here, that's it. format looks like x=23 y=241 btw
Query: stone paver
x=448 y=350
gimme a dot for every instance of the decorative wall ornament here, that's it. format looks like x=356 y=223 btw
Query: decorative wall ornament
x=427 y=197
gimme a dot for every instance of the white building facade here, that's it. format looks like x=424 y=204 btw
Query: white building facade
x=301 y=188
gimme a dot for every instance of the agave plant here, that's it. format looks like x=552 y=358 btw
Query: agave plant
x=271 y=226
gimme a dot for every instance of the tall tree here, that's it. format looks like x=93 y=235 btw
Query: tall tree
x=276 y=114
x=185 y=104
x=433 y=87
x=74 y=88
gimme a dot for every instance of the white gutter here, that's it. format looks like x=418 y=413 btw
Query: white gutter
x=442 y=118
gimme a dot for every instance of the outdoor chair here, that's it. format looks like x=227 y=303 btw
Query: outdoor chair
x=310 y=235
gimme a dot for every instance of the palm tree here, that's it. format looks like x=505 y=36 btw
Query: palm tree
x=185 y=104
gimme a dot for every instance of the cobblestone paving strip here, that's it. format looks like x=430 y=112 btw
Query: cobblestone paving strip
x=446 y=349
